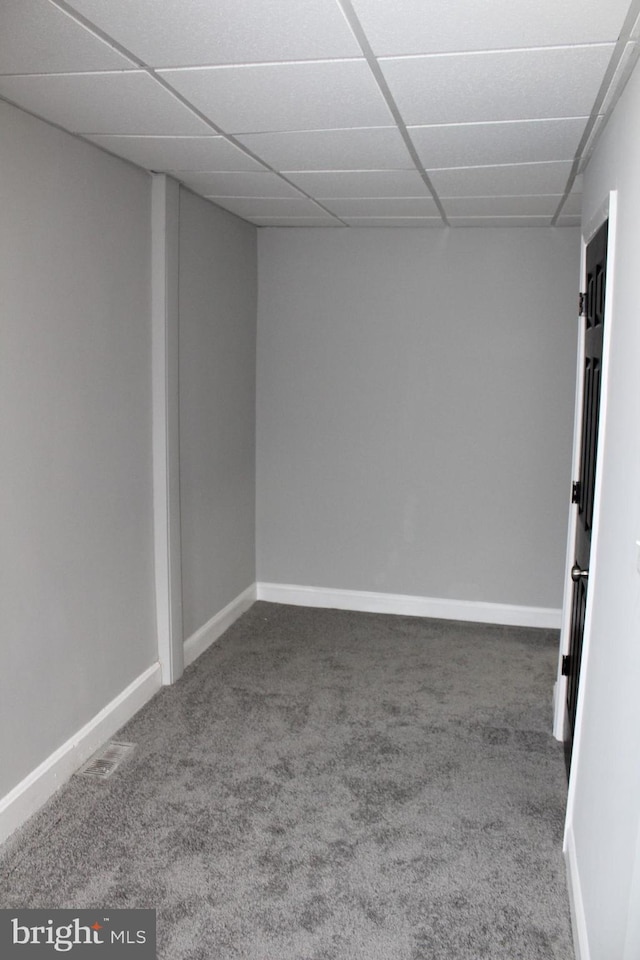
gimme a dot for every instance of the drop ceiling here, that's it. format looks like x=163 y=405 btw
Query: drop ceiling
x=336 y=113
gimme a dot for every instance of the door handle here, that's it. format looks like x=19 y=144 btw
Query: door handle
x=578 y=574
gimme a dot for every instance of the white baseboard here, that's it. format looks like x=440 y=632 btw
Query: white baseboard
x=576 y=903
x=198 y=642
x=36 y=788
x=409 y=606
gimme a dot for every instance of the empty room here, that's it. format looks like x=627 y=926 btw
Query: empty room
x=320 y=484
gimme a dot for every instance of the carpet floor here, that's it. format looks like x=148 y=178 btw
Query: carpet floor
x=327 y=785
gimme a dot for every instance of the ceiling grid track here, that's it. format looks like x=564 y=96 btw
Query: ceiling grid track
x=88 y=25
x=335 y=113
x=580 y=159
x=374 y=66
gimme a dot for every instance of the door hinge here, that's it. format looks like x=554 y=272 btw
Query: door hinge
x=582 y=305
x=576 y=490
x=566 y=666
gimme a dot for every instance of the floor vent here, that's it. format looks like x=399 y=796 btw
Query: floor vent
x=107 y=760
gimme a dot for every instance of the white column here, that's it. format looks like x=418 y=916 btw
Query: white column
x=165 y=199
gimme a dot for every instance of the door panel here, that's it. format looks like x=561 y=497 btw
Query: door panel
x=592 y=372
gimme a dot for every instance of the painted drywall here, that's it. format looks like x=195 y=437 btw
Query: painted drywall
x=76 y=539
x=415 y=410
x=217 y=348
x=605 y=816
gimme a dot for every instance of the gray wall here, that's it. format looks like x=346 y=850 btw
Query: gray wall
x=415 y=410
x=605 y=813
x=217 y=407
x=77 y=619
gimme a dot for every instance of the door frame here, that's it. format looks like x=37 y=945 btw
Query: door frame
x=607 y=210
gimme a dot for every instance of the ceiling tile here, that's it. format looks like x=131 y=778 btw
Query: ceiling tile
x=290 y=207
x=500 y=221
x=383 y=207
x=378 y=148
x=238 y=184
x=286 y=96
x=431 y=26
x=496 y=94
x=198 y=32
x=37 y=37
x=178 y=153
x=103 y=103
x=394 y=221
x=505 y=85
x=523 y=179
x=481 y=144
x=502 y=206
x=295 y=222
x=360 y=183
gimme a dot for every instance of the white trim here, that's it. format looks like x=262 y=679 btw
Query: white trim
x=199 y=641
x=576 y=903
x=36 y=788
x=165 y=199
x=410 y=606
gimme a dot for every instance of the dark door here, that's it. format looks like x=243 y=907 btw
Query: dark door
x=584 y=490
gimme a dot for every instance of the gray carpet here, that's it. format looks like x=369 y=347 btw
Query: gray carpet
x=326 y=785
